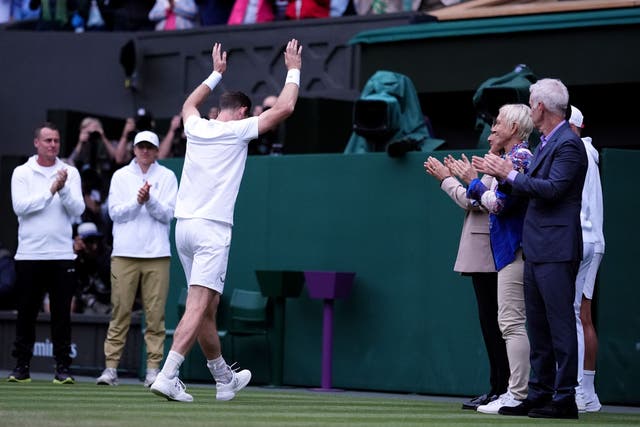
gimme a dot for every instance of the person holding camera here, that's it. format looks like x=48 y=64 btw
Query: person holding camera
x=142 y=198
x=143 y=120
x=93 y=147
x=174 y=143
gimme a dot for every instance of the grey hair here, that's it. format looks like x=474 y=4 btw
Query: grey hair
x=520 y=114
x=552 y=93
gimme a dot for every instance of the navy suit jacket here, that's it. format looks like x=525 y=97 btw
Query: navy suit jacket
x=552 y=231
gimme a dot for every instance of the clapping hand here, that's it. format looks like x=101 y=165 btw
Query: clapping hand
x=143 y=193
x=462 y=168
x=436 y=169
x=58 y=183
x=494 y=165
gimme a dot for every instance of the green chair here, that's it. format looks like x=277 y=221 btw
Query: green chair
x=248 y=314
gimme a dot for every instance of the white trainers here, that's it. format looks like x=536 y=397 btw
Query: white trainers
x=149 y=379
x=109 y=377
x=171 y=389
x=238 y=382
x=587 y=403
x=505 y=399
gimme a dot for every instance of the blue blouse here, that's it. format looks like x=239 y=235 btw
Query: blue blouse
x=506 y=211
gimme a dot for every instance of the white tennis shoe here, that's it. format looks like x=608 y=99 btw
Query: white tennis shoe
x=170 y=389
x=238 y=382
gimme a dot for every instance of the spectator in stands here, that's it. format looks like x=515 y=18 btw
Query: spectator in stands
x=95 y=21
x=143 y=120
x=174 y=144
x=22 y=12
x=591 y=218
x=341 y=8
x=94 y=191
x=5 y=11
x=174 y=15
x=93 y=149
x=213 y=113
x=93 y=290
x=377 y=7
x=214 y=12
x=251 y=12
x=59 y=14
x=95 y=157
x=141 y=253
x=126 y=15
x=304 y=9
x=46 y=196
x=475 y=259
x=124 y=149
x=271 y=142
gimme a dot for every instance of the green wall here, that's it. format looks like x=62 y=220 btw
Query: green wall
x=410 y=323
x=618 y=289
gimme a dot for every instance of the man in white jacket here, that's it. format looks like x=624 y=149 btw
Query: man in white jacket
x=142 y=198
x=591 y=218
x=46 y=195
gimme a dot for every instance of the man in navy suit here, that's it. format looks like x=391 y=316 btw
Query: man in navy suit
x=552 y=248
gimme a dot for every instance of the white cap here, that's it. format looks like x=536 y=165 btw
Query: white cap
x=88 y=229
x=576 y=118
x=147 y=136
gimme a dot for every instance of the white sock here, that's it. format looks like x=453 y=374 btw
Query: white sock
x=172 y=364
x=587 y=383
x=220 y=370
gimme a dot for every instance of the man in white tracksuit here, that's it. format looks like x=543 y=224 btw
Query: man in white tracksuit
x=591 y=218
x=142 y=198
x=46 y=196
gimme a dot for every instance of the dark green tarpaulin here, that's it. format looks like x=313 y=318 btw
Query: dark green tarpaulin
x=510 y=88
x=405 y=113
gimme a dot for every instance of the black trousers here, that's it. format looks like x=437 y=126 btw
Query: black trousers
x=549 y=291
x=34 y=279
x=485 y=286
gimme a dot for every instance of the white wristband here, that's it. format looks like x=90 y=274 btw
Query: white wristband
x=293 y=76
x=213 y=80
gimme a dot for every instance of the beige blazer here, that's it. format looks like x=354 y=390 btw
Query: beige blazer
x=474 y=251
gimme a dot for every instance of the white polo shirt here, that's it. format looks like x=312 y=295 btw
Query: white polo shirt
x=213 y=167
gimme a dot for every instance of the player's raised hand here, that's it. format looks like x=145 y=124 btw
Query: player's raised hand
x=293 y=55
x=219 y=58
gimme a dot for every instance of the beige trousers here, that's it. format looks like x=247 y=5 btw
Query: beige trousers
x=511 y=319
x=152 y=275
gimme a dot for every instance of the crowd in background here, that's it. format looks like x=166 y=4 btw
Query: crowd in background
x=146 y=15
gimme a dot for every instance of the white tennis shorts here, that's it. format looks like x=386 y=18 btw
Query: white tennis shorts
x=588 y=270
x=203 y=247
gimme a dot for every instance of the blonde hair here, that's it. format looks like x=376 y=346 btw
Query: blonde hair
x=520 y=114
